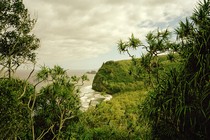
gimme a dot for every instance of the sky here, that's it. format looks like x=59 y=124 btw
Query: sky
x=83 y=34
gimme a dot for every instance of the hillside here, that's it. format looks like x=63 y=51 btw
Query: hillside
x=115 y=76
x=118 y=76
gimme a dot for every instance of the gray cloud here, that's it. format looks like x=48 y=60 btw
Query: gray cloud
x=73 y=30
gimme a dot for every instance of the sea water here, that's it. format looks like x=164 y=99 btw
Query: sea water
x=87 y=95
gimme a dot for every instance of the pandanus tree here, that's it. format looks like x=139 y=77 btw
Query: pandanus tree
x=57 y=105
x=179 y=107
x=17 y=43
x=156 y=43
x=125 y=47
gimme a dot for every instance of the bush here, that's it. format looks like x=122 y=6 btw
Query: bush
x=15 y=115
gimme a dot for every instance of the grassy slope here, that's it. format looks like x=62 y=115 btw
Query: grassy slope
x=114 y=77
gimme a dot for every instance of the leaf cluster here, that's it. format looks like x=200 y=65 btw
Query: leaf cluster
x=179 y=106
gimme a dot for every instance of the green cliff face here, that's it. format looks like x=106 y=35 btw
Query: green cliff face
x=114 y=77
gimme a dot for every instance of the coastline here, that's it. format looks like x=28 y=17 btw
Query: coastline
x=87 y=95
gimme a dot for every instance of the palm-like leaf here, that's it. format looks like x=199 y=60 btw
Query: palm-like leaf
x=122 y=46
x=134 y=43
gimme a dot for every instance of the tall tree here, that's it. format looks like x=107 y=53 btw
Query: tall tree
x=17 y=43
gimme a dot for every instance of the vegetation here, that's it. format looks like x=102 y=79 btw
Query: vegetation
x=31 y=114
x=118 y=76
x=154 y=97
x=57 y=105
x=28 y=113
x=158 y=42
x=14 y=110
x=17 y=44
x=179 y=106
x=114 y=77
x=117 y=119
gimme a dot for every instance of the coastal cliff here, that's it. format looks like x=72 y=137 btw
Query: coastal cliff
x=114 y=77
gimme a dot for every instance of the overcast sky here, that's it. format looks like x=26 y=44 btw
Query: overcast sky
x=82 y=34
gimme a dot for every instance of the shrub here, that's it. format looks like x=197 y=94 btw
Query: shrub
x=15 y=118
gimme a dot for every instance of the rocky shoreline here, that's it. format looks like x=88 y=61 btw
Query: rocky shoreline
x=89 y=97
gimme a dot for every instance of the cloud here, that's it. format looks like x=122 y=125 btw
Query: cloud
x=86 y=29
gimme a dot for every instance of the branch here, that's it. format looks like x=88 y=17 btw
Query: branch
x=29 y=103
x=38 y=83
x=31 y=72
x=26 y=82
x=129 y=53
x=68 y=118
x=44 y=133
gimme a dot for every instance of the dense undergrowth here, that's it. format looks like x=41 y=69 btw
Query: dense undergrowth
x=118 y=119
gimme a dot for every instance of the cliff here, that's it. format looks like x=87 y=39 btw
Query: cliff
x=114 y=77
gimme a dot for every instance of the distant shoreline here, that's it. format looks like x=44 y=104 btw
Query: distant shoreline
x=23 y=74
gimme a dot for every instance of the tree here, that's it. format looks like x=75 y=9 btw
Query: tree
x=17 y=44
x=178 y=108
x=157 y=42
x=57 y=105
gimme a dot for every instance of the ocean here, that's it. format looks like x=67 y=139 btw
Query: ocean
x=88 y=96
x=23 y=74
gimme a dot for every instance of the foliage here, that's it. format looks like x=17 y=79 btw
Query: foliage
x=17 y=44
x=115 y=119
x=114 y=77
x=15 y=116
x=29 y=114
x=179 y=107
x=157 y=42
x=130 y=75
x=57 y=105
x=133 y=43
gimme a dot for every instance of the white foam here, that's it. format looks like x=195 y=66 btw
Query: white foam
x=90 y=97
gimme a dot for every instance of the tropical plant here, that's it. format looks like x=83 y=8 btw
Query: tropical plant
x=157 y=42
x=179 y=107
x=58 y=104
